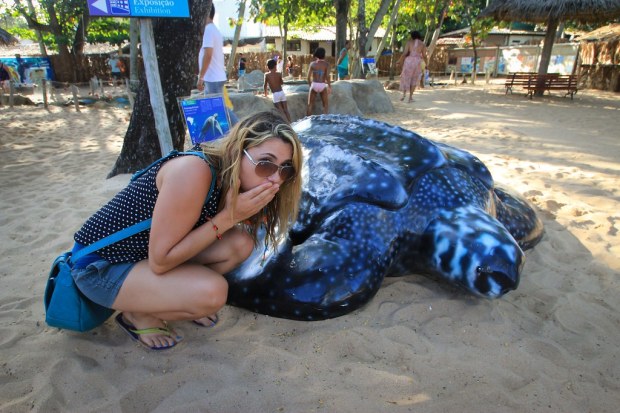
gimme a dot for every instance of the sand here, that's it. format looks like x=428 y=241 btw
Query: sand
x=419 y=345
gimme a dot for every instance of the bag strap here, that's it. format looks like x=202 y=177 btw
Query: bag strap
x=140 y=226
x=112 y=238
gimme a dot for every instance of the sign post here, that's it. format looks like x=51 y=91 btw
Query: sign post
x=144 y=9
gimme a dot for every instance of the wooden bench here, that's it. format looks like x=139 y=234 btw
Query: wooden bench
x=517 y=79
x=551 y=82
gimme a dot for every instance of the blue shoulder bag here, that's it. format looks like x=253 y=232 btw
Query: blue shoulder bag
x=65 y=305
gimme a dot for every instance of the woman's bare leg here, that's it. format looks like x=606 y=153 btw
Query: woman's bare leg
x=189 y=292
x=311 y=98
x=325 y=100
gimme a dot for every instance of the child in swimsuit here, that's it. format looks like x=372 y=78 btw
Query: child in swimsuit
x=319 y=81
x=274 y=80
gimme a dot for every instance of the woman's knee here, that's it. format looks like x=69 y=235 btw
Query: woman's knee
x=243 y=245
x=210 y=295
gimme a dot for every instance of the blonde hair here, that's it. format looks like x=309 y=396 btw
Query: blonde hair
x=226 y=155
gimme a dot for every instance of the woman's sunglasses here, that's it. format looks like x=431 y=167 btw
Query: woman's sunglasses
x=268 y=168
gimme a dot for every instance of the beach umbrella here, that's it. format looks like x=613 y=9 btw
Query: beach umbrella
x=551 y=12
x=6 y=38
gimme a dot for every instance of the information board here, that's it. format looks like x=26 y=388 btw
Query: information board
x=139 y=8
x=205 y=116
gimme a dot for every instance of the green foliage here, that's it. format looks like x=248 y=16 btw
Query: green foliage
x=67 y=14
x=29 y=34
x=108 y=30
x=296 y=14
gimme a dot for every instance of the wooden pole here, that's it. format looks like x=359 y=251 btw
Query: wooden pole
x=156 y=93
x=11 y=94
x=129 y=92
x=44 y=91
x=74 y=90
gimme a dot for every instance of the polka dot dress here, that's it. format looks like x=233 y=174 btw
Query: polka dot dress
x=133 y=204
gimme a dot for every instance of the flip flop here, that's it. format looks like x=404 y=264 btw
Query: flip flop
x=213 y=318
x=134 y=333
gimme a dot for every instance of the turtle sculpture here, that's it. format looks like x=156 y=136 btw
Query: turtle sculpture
x=377 y=201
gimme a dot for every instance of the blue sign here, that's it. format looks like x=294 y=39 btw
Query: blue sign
x=205 y=116
x=28 y=70
x=139 y=8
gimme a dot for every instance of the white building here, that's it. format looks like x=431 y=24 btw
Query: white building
x=268 y=38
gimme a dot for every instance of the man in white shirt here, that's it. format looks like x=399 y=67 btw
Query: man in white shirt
x=212 y=75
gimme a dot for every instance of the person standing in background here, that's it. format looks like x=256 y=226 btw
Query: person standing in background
x=319 y=81
x=115 y=67
x=241 y=72
x=21 y=68
x=274 y=80
x=413 y=56
x=242 y=62
x=289 y=66
x=212 y=71
x=343 y=61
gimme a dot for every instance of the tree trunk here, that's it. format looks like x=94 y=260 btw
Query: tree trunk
x=362 y=33
x=431 y=46
x=61 y=42
x=79 y=40
x=42 y=48
x=235 y=42
x=342 y=15
x=134 y=38
x=473 y=45
x=393 y=47
x=545 y=55
x=393 y=16
x=178 y=72
x=376 y=22
x=366 y=35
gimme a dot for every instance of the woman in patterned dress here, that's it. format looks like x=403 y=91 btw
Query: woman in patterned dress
x=413 y=56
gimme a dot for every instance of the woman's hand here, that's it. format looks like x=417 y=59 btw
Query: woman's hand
x=251 y=202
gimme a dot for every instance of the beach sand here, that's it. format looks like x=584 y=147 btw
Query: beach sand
x=420 y=345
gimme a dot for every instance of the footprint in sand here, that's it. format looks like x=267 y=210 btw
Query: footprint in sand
x=612 y=230
x=578 y=212
x=554 y=206
x=533 y=193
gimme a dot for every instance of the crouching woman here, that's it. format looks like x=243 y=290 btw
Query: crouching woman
x=174 y=270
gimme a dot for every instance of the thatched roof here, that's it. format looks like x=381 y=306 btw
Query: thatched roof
x=6 y=38
x=539 y=11
x=605 y=33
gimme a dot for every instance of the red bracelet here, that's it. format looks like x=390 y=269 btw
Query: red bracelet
x=215 y=228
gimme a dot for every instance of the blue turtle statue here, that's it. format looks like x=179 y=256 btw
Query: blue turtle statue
x=378 y=201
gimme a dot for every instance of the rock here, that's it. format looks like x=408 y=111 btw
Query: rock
x=253 y=80
x=348 y=97
x=391 y=85
x=247 y=103
x=18 y=100
x=371 y=97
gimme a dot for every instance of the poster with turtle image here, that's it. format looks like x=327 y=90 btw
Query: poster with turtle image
x=206 y=117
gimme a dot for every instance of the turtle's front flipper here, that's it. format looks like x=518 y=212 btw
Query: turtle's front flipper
x=339 y=268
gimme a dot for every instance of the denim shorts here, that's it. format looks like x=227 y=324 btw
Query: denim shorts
x=100 y=281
